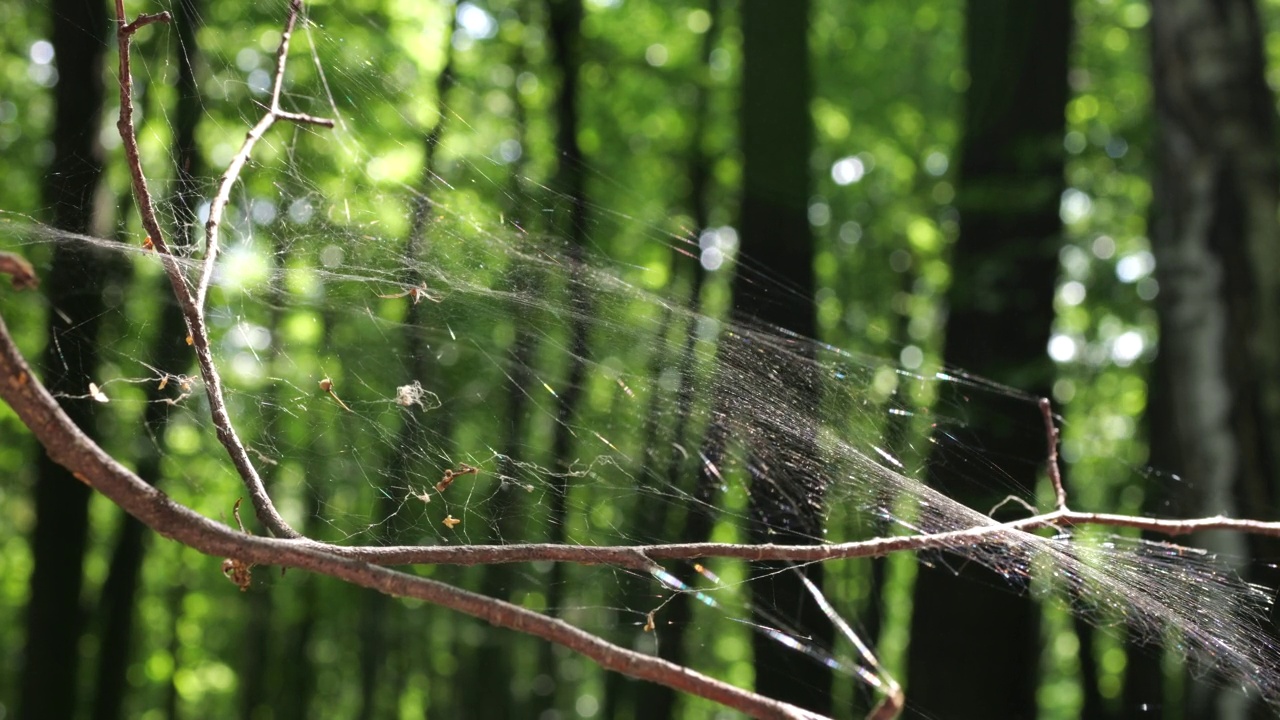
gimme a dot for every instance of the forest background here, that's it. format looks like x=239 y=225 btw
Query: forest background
x=968 y=205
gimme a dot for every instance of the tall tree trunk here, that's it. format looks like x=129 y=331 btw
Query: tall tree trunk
x=564 y=32
x=659 y=702
x=495 y=656
x=974 y=642
x=565 y=19
x=786 y=488
x=378 y=613
x=75 y=284
x=170 y=354
x=1216 y=240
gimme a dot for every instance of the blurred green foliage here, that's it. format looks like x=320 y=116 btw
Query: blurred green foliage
x=889 y=83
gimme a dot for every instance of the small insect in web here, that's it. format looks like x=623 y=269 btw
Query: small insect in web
x=649 y=624
x=417 y=294
x=96 y=393
x=451 y=475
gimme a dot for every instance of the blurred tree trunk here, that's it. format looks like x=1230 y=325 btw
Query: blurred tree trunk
x=565 y=19
x=564 y=23
x=786 y=490
x=1216 y=239
x=74 y=285
x=658 y=702
x=975 y=643
x=495 y=656
x=170 y=353
x=378 y=612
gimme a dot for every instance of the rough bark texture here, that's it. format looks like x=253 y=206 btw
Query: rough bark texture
x=1216 y=240
x=974 y=642
x=75 y=282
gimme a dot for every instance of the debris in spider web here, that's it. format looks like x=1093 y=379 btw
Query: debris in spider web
x=262 y=457
x=414 y=394
x=451 y=522
x=238 y=571
x=96 y=393
x=450 y=475
x=417 y=294
x=327 y=385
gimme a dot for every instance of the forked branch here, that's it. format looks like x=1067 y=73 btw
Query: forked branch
x=193 y=301
x=232 y=174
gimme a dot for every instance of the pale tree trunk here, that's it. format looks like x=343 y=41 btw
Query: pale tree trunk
x=1215 y=416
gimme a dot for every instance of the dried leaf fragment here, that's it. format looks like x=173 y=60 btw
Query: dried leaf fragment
x=451 y=522
x=451 y=475
x=417 y=294
x=238 y=572
x=15 y=266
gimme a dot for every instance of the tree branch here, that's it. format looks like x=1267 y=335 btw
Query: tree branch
x=193 y=302
x=234 y=168
x=68 y=446
x=644 y=557
x=74 y=450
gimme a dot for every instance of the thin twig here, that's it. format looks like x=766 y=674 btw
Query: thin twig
x=1051 y=463
x=193 y=302
x=234 y=168
x=644 y=557
x=129 y=136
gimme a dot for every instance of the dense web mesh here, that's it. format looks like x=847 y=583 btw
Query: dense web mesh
x=397 y=358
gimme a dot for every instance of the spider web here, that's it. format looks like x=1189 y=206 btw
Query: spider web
x=402 y=388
